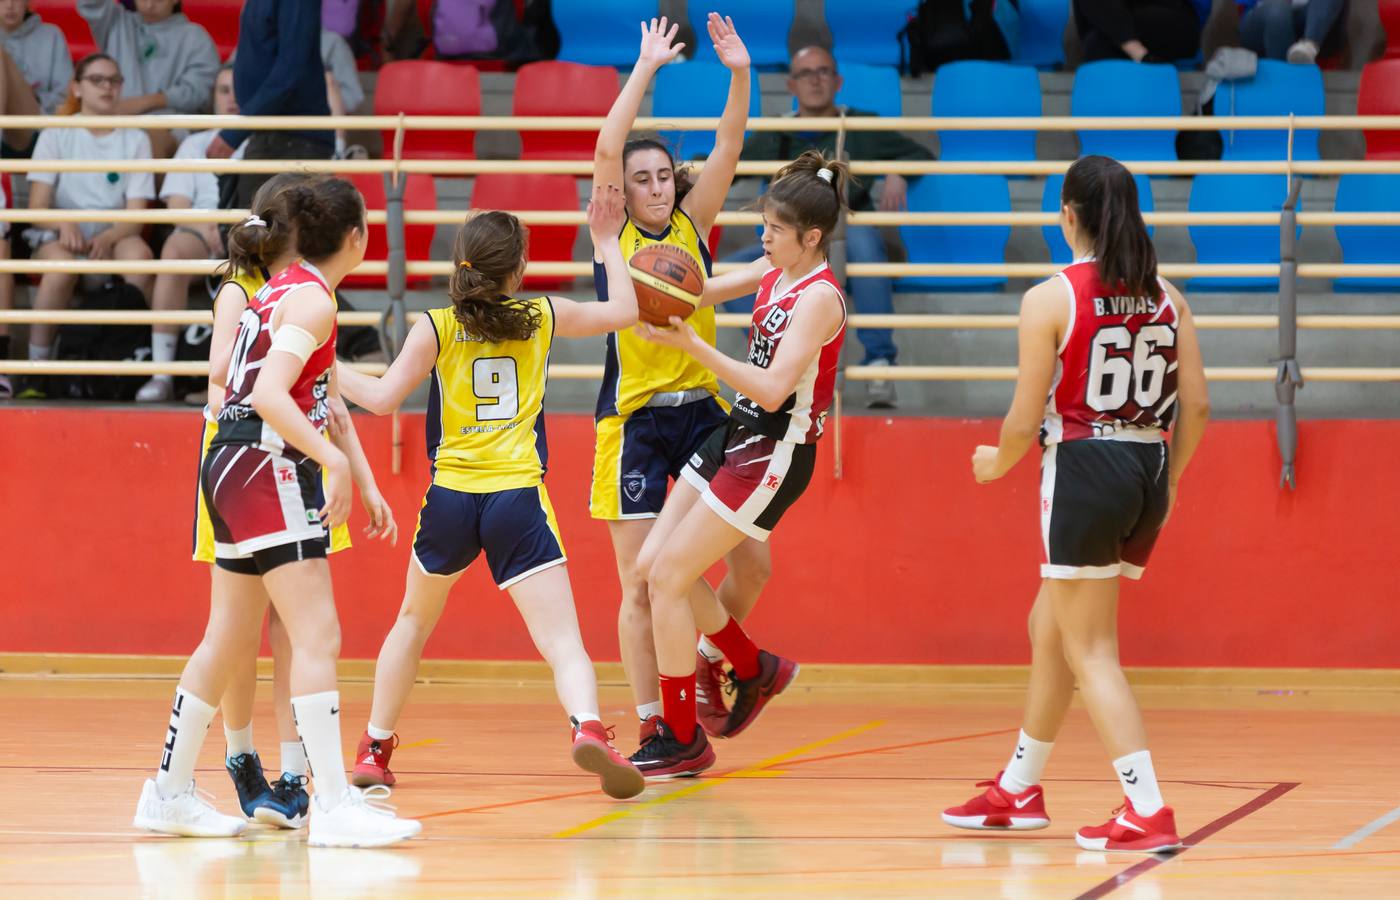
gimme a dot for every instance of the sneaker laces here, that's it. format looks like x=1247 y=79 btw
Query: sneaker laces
x=372 y=799
x=247 y=772
x=285 y=789
x=376 y=746
x=198 y=797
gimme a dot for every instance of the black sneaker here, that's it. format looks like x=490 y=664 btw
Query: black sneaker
x=750 y=696
x=247 y=773
x=288 y=804
x=662 y=756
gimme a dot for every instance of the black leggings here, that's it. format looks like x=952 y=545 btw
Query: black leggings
x=1168 y=28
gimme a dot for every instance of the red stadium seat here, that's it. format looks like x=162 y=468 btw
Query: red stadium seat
x=562 y=89
x=418 y=194
x=64 y=14
x=219 y=18
x=425 y=88
x=515 y=192
x=1379 y=95
x=1390 y=21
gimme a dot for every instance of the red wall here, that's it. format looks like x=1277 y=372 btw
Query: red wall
x=905 y=560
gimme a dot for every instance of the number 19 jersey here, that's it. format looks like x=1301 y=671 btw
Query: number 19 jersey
x=485 y=422
x=1115 y=375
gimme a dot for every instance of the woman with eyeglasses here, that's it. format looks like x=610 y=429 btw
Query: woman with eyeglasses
x=95 y=91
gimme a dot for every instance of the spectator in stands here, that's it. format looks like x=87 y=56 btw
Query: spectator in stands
x=169 y=62
x=814 y=80
x=1294 y=30
x=1160 y=31
x=343 y=91
x=41 y=53
x=278 y=73
x=186 y=190
x=96 y=91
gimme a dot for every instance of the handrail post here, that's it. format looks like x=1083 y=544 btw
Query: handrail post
x=393 y=327
x=1289 y=377
x=836 y=258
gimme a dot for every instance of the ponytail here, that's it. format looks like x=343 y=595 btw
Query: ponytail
x=488 y=256
x=1105 y=198
x=808 y=193
x=267 y=234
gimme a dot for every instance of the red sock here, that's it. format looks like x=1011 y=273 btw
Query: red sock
x=678 y=705
x=738 y=649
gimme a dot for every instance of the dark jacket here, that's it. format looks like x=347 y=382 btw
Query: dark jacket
x=278 y=69
x=860 y=145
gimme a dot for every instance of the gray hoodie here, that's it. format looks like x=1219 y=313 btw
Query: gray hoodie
x=175 y=57
x=41 y=53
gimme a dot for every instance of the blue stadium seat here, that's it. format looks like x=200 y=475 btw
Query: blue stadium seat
x=601 y=32
x=865 y=32
x=695 y=89
x=764 y=26
x=1112 y=87
x=1277 y=89
x=870 y=89
x=974 y=88
x=956 y=243
x=1042 y=32
x=1368 y=243
x=1250 y=244
x=1050 y=202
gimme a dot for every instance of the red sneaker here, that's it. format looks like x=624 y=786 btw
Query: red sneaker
x=372 y=761
x=1000 y=810
x=1130 y=832
x=663 y=756
x=710 y=710
x=750 y=696
x=648 y=730
x=594 y=752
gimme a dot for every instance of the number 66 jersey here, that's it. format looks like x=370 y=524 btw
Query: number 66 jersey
x=1115 y=376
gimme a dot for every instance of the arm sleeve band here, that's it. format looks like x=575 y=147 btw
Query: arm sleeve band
x=295 y=340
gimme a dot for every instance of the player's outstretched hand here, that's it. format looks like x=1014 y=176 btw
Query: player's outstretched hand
x=381 y=517
x=679 y=335
x=984 y=464
x=607 y=213
x=729 y=47
x=337 y=508
x=657 y=47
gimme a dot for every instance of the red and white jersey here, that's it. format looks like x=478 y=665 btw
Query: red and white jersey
x=1115 y=378
x=239 y=423
x=802 y=417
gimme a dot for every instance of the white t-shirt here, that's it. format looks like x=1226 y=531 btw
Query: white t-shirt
x=202 y=188
x=94 y=190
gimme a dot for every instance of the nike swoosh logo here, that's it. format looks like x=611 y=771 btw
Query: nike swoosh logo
x=1126 y=824
x=1021 y=804
x=1020 y=751
x=335 y=710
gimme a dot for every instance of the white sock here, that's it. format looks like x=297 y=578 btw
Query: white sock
x=293 y=758
x=1139 y=782
x=708 y=649
x=582 y=717
x=1027 y=763
x=163 y=348
x=238 y=740
x=189 y=721
x=318 y=722
x=37 y=352
x=647 y=710
x=379 y=734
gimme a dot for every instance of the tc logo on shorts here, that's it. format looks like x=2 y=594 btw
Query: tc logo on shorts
x=287 y=476
x=634 y=484
x=1045 y=506
x=772 y=482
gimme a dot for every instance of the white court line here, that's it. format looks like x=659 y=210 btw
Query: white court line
x=1366 y=831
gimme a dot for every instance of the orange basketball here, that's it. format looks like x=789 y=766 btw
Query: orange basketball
x=669 y=282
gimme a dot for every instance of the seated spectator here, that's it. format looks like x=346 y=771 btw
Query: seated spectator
x=187 y=190
x=1294 y=30
x=95 y=91
x=169 y=61
x=814 y=81
x=1160 y=31
x=41 y=53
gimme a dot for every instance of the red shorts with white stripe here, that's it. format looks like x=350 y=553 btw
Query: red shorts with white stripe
x=750 y=480
x=259 y=500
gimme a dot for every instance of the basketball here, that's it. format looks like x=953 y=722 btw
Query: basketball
x=669 y=282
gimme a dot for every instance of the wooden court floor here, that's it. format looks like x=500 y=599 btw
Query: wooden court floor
x=835 y=793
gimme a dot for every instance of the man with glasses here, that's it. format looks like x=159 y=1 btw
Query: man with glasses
x=814 y=80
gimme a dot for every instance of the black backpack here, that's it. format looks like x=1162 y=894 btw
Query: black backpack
x=940 y=32
x=104 y=342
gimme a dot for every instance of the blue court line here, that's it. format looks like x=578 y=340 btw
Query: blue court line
x=1366 y=831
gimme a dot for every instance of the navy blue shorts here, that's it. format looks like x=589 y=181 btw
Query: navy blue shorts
x=516 y=528
x=637 y=454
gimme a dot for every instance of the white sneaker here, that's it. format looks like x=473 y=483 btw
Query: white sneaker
x=360 y=819
x=158 y=390
x=1303 y=53
x=881 y=394
x=188 y=814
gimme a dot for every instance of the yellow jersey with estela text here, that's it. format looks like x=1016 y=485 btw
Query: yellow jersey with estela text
x=486 y=407
x=635 y=368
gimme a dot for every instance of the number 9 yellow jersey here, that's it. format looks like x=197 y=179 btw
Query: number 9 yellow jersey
x=485 y=424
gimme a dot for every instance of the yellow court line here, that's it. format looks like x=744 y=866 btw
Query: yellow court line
x=697 y=787
x=423 y=743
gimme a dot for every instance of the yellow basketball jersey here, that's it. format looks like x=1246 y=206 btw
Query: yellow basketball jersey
x=636 y=368
x=485 y=408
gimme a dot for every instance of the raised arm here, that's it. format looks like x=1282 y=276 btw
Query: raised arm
x=1192 y=395
x=706 y=199
x=382 y=395
x=618 y=310
x=739 y=283
x=655 y=52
